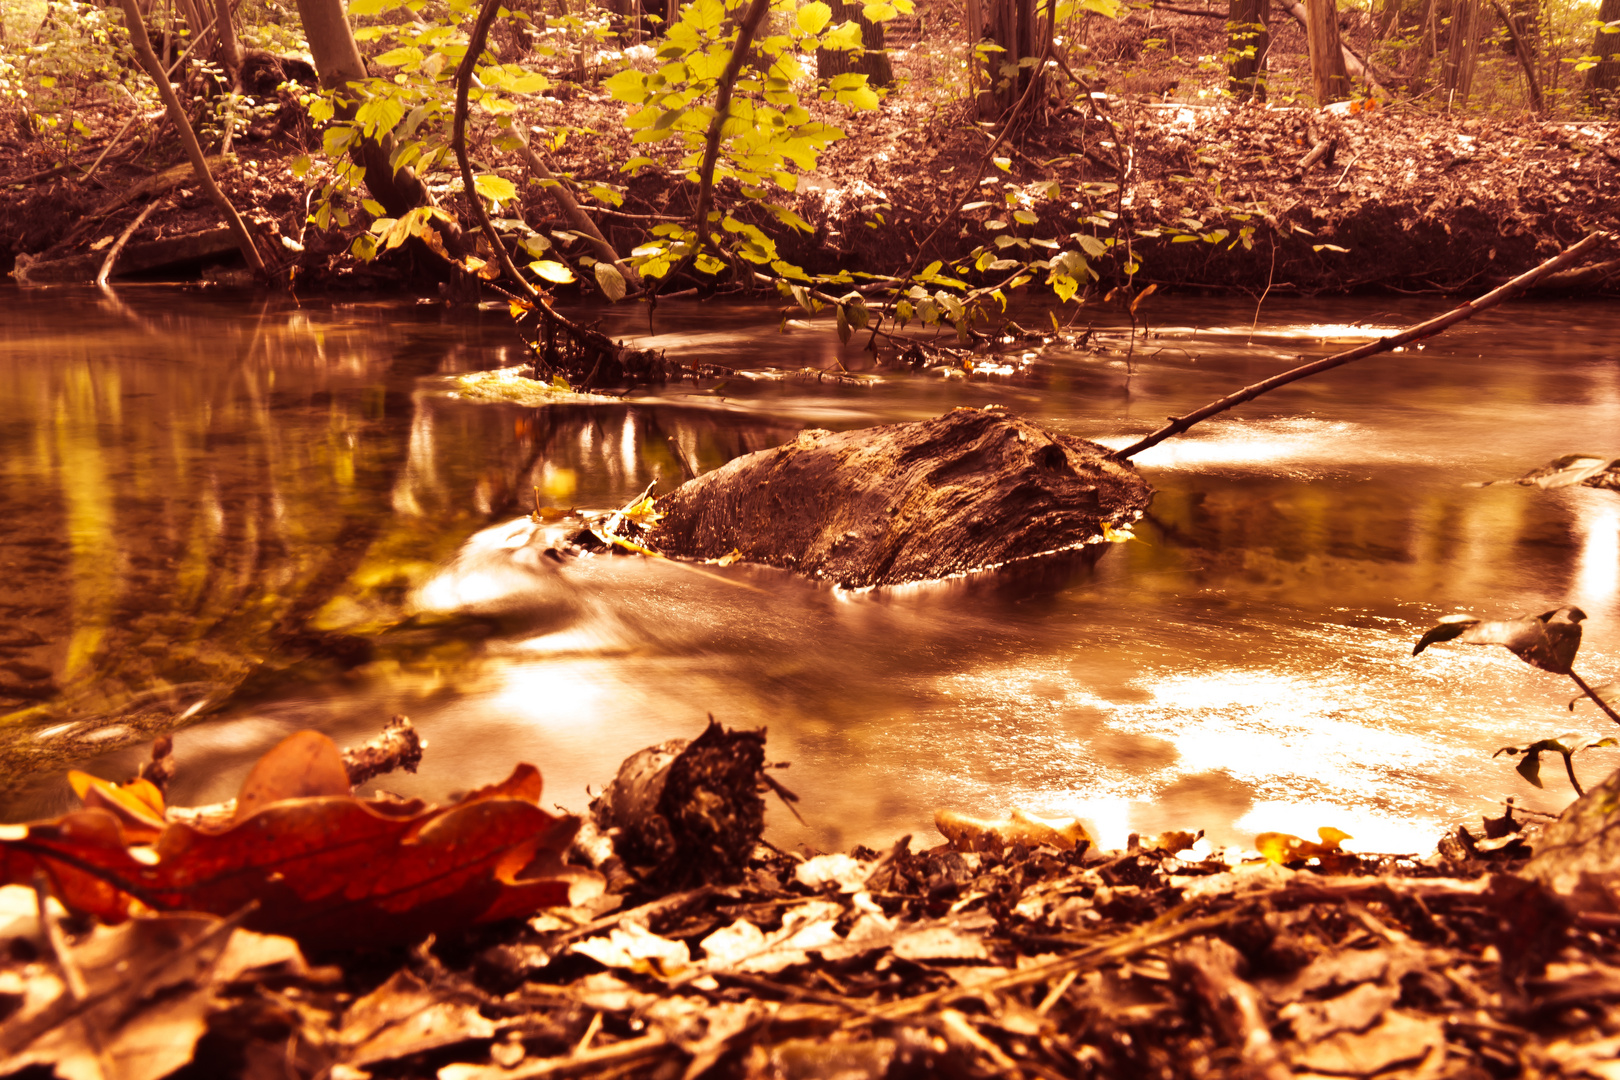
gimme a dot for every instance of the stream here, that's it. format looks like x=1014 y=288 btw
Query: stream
x=248 y=516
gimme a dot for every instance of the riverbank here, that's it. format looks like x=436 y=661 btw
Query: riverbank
x=1202 y=194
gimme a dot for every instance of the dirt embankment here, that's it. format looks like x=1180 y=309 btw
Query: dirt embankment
x=1203 y=194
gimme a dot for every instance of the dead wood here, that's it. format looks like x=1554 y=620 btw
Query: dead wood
x=135 y=259
x=971 y=490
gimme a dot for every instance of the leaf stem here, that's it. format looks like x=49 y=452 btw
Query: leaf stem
x=1596 y=700
x=1569 y=767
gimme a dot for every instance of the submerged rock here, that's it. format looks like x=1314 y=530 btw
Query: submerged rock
x=971 y=490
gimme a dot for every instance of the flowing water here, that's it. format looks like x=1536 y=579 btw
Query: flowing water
x=258 y=516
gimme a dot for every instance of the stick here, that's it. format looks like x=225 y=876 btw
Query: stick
x=1596 y=700
x=1422 y=330
x=458 y=143
x=722 y=111
x=576 y=217
x=118 y=245
x=188 y=138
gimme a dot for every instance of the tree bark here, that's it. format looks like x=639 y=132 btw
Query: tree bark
x=1527 y=58
x=188 y=138
x=1249 y=41
x=1328 y=76
x=1605 y=78
x=338 y=63
x=872 y=61
x=1461 y=47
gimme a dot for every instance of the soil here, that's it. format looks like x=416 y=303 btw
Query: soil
x=1204 y=193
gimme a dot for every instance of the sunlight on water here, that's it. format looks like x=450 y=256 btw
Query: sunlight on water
x=192 y=475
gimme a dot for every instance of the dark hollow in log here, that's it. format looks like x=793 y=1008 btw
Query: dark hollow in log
x=971 y=490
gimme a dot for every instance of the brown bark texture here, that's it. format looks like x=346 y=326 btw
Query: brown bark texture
x=1249 y=41
x=1329 y=79
x=971 y=490
x=338 y=63
x=1605 y=77
x=872 y=61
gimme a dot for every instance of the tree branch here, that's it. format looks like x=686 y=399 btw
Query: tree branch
x=188 y=138
x=1422 y=330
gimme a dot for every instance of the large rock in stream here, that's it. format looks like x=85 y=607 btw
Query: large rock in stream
x=974 y=489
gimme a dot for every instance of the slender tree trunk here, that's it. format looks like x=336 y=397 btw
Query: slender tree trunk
x=338 y=63
x=1605 y=78
x=1527 y=58
x=1460 y=49
x=1249 y=41
x=188 y=139
x=1328 y=76
x=1011 y=24
x=873 y=61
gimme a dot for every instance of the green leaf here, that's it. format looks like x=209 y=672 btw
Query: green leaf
x=879 y=12
x=812 y=17
x=1092 y=246
x=377 y=116
x=843 y=325
x=552 y=271
x=1003 y=163
x=1026 y=217
x=1325 y=247
x=497 y=189
x=405 y=56
x=610 y=281
x=370 y=7
x=628 y=85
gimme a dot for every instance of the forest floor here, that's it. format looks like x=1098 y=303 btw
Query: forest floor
x=1008 y=949
x=1202 y=192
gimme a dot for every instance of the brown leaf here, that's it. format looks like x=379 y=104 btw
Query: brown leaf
x=305 y=764
x=326 y=869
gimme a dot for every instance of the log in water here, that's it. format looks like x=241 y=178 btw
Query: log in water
x=971 y=490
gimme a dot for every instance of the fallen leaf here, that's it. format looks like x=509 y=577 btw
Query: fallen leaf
x=326 y=869
x=633 y=947
x=838 y=869
x=1020 y=827
x=406 y=1016
x=742 y=946
x=1548 y=641
x=1284 y=848
x=1401 y=1038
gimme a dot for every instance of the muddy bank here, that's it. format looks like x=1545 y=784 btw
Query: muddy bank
x=972 y=490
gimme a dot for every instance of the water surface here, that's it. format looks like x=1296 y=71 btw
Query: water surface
x=245 y=516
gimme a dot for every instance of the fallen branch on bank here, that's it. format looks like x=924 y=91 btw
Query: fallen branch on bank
x=1422 y=330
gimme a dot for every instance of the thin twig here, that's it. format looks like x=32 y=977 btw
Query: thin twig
x=1596 y=700
x=123 y=238
x=1422 y=330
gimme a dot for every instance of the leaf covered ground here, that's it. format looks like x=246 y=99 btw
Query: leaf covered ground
x=1014 y=948
x=1203 y=193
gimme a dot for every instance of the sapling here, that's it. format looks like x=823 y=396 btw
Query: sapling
x=1547 y=641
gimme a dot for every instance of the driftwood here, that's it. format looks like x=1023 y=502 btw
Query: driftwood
x=136 y=258
x=971 y=490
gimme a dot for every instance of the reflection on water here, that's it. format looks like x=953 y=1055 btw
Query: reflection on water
x=289 y=511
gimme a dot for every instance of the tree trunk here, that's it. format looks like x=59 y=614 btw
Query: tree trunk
x=1605 y=78
x=872 y=61
x=338 y=63
x=1456 y=77
x=1525 y=50
x=1249 y=41
x=1328 y=76
x=1009 y=24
